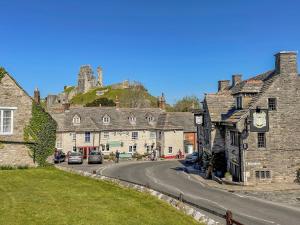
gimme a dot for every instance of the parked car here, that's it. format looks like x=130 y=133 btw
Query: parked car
x=95 y=157
x=192 y=158
x=75 y=157
x=59 y=156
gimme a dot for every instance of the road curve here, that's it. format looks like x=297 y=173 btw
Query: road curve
x=166 y=176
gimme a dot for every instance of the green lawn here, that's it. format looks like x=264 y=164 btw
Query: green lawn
x=50 y=196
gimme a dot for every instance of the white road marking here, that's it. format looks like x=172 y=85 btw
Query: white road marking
x=256 y=218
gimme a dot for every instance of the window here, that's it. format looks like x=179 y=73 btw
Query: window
x=74 y=149
x=159 y=135
x=170 y=150
x=152 y=135
x=76 y=120
x=105 y=135
x=58 y=145
x=132 y=119
x=234 y=138
x=106 y=120
x=132 y=148
x=134 y=135
x=239 y=102
x=107 y=147
x=261 y=140
x=6 y=121
x=74 y=136
x=263 y=174
x=87 y=137
x=150 y=118
x=272 y=104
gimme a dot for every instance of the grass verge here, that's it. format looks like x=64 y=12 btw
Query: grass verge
x=49 y=196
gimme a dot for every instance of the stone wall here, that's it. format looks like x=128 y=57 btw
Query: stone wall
x=13 y=96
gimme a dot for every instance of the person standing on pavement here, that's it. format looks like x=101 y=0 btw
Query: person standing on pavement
x=117 y=156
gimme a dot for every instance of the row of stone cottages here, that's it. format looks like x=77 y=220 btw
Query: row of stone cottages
x=86 y=129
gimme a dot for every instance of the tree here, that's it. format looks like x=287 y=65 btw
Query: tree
x=102 y=102
x=186 y=104
x=135 y=97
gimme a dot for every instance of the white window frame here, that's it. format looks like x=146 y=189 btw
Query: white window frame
x=170 y=148
x=89 y=136
x=2 y=109
x=76 y=120
x=152 y=134
x=106 y=119
x=133 y=136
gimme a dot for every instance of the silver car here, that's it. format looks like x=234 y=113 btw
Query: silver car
x=192 y=158
x=95 y=157
x=75 y=157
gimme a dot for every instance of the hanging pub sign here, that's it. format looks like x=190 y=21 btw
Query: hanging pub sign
x=259 y=120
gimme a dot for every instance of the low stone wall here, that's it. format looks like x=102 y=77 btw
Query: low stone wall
x=186 y=209
x=15 y=154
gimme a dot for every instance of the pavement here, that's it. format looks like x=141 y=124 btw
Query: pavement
x=170 y=177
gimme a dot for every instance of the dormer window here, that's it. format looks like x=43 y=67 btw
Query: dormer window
x=239 y=102
x=132 y=119
x=150 y=118
x=106 y=119
x=76 y=120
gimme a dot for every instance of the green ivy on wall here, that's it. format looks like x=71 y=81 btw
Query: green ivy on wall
x=42 y=131
x=2 y=73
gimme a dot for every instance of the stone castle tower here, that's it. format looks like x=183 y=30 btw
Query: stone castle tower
x=100 y=76
x=86 y=79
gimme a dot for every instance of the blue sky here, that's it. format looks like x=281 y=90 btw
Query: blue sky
x=177 y=47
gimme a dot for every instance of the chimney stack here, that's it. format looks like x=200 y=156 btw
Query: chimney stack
x=37 y=97
x=236 y=79
x=223 y=84
x=162 y=101
x=286 y=62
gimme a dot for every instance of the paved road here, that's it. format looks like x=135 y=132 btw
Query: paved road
x=167 y=176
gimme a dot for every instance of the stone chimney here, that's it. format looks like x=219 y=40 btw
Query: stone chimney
x=223 y=84
x=100 y=76
x=236 y=79
x=117 y=102
x=162 y=101
x=37 y=96
x=286 y=62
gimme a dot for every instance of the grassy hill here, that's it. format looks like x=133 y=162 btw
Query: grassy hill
x=125 y=96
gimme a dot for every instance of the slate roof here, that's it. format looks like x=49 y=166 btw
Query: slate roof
x=221 y=106
x=92 y=119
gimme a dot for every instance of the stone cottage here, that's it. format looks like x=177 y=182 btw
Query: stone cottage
x=257 y=123
x=15 y=113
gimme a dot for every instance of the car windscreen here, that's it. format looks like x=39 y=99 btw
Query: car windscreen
x=75 y=154
x=95 y=153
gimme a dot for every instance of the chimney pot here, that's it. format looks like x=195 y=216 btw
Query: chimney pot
x=37 y=97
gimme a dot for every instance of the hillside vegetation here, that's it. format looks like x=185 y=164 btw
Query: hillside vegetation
x=135 y=96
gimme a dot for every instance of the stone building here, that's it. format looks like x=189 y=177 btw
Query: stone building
x=15 y=113
x=257 y=123
x=129 y=130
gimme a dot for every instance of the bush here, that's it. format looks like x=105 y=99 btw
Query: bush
x=10 y=167
x=102 y=102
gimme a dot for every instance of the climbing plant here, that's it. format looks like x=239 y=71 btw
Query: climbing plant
x=41 y=131
x=2 y=73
